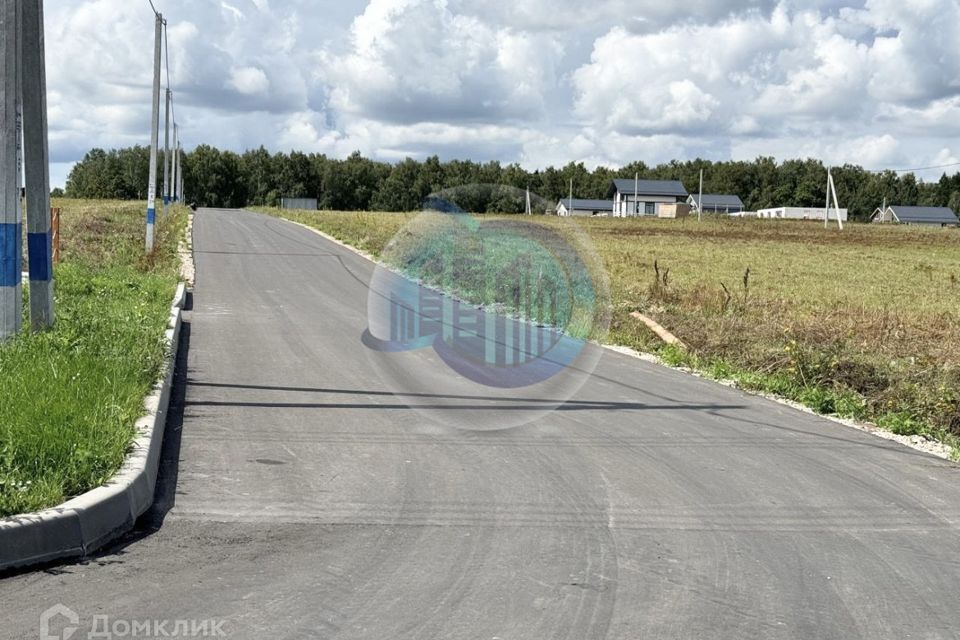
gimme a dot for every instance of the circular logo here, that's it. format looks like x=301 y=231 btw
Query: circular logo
x=485 y=322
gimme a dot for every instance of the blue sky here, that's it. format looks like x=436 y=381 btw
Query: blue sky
x=538 y=82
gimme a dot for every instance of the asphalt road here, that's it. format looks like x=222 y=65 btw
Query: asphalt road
x=302 y=498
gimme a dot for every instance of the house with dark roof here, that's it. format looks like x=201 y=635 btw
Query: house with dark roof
x=643 y=197
x=582 y=208
x=930 y=216
x=717 y=203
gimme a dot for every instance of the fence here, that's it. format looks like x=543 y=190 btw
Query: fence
x=309 y=204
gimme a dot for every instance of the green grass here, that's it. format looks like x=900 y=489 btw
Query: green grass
x=71 y=395
x=863 y=323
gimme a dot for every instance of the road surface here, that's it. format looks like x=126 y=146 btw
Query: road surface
x=301 y=498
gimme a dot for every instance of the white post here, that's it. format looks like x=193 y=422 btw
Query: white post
x=166 y=159
x=11 y=294
x=570 y=206
x=700 y=201
x=529 y=204
x=154 y=138
x=636 y=194
x=37 y=165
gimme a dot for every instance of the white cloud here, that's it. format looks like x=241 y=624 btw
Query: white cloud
x=249 y=80
x=417 y=61
x=875 y=82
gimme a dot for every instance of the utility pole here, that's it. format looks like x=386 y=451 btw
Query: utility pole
x=37 y=164
x=700 y=201
x=180 y=158
x=826 y=212
x=174 y=178
x=11 y=295
x=166 y=158
x=154 y=135
x=570 y=207
x=636 y=194
x=836 y=202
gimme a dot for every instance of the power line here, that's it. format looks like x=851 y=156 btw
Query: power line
x=155 y=12
x=939 y=166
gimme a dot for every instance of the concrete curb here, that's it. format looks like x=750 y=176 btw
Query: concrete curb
x=86 y=523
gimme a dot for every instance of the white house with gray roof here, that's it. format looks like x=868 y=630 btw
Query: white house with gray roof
x=582 y=208
x=928 y=216
x=643 y=197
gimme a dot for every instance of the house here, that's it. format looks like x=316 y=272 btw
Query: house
x=717 y=203
x=930 y=216
x=584 y=207
x=642 y=197
x=801 y=213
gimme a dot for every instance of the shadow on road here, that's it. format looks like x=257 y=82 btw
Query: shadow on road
x=498 y=403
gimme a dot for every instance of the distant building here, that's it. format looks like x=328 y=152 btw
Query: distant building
x=308 y=204
x=585 y=208
x=801 y=213
x=717 y=203
x=929 y=216
x=633 y=198
x=673 y=210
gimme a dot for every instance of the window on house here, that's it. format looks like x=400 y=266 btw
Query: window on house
x=650 y=208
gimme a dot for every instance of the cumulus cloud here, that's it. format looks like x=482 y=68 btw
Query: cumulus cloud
x=765 y=81
x=541 y=82
x=418 y=61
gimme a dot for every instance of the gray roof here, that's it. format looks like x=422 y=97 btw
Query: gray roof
x=648 y=188
x=714 y=200
x=929 y=215
x=589 y=205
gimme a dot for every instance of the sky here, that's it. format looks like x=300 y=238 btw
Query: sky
x=537 y=82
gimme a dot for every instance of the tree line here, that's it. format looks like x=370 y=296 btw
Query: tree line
x=215 y=178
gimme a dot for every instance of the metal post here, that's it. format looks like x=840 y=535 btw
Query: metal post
x=154 y=139
x=166 y=160
x=55 y=228
x=37 y=165
x=11 y=295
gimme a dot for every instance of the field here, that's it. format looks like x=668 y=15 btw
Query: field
x=71 y=396
x=863 y=323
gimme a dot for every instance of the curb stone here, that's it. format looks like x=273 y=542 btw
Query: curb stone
x=84 y=524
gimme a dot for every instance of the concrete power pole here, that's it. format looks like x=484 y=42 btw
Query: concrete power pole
x=37 y=165
x=154 y=138
x=11 y=296
x=175 y=177
x=180 y=158
x=700 y=202
x=166 y=159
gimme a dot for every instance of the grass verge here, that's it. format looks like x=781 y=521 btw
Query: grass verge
x=862 y=324
x=72 y=395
